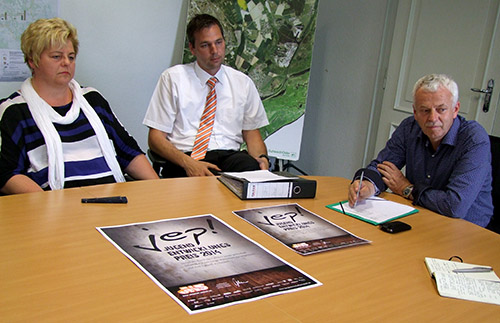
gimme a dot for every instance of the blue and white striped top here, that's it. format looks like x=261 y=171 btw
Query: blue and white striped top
x=23 y=149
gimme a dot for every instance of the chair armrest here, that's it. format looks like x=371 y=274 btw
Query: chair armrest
x=157 y=161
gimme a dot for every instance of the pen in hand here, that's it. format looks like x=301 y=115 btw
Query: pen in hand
x=359 y=188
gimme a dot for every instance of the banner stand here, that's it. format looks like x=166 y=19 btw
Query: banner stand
x=281 y=165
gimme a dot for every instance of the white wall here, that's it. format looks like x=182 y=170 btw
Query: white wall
x=343 y=76
x=126 y=44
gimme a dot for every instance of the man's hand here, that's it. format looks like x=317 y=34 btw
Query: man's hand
x=199 y=168
x=263 y=163
x=159 y=143
x=393 y=177
x=256 y=147
x=367 y=190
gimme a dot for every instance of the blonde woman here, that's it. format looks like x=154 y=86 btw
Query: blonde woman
x=56 y=134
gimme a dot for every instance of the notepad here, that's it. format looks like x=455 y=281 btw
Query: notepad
x=375 y=210
x=479 y=286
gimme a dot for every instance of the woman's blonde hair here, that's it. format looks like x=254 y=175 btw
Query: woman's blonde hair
x=46 y=33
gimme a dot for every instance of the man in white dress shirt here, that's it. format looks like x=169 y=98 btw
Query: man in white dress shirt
x=177 y=104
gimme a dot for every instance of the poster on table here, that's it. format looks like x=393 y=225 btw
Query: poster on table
x=300 y=229
x=203 y=263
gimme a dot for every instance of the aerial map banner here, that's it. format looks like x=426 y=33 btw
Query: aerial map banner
x=271 y=41
x=203 y=263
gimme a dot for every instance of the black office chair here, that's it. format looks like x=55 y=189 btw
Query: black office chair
x=494 y=224
x=157 y=161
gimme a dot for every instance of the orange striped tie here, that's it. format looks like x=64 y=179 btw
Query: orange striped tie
x=206 y=123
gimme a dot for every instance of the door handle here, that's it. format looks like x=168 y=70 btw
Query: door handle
x=488 y=92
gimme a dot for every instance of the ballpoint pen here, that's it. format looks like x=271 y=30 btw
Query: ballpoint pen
x=473 y=270
x=342 y=207
x=359 y=188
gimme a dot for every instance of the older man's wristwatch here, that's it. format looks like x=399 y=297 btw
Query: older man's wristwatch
x=407 y=191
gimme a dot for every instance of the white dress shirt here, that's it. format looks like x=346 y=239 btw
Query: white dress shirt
x=179 y=99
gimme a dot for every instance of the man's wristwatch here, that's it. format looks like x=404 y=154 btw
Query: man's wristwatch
x=407 y=191
x=266 y=157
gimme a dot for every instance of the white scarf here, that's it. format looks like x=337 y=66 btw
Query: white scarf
x=44 y=116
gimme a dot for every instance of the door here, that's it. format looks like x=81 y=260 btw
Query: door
x=460 y=38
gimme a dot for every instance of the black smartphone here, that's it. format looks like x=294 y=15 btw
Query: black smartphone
x=395 y=227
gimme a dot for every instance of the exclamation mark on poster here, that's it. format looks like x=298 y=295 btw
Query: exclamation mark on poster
x=211 y=225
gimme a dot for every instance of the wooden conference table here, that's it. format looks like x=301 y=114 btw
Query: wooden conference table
x=55 y=265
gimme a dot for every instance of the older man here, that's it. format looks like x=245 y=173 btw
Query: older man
x=447 y=158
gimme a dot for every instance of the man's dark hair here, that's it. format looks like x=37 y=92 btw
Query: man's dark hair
x=199 y=22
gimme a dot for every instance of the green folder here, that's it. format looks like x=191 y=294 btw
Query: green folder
x=374 y=210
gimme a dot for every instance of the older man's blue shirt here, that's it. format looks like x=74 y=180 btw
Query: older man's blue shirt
x=455 y=180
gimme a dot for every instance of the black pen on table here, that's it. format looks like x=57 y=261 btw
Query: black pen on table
x=110 y=199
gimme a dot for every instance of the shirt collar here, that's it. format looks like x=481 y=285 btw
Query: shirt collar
x=450 y=138
x=204 y=76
